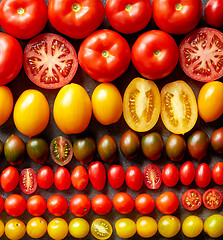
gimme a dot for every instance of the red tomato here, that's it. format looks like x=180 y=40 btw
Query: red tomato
x=15 y=205
x=45 y=177
x=97 y=175
x=170 y=175
x=50 y=68
x=198 y=59
x=79 y=178
x=101 y=204
x=36 y=205
x=10 y=66
x=177 y=16
x=187 y=173
x=23 y=19
x=217 y=173
x=116 y=176
x=80 y=205
x=213 y=13
x=104 y=55
x=203 y=175
x=144 y=203
x=57 y=205
x=123 y=203
x=155 y=54
x=191 y=199
x=76 y=19
x=1 y=204
x=62 y=179
x=128 y=16
x=9 y=179
x=152 y=176
x=28 y=181
x=212 y=198
x=134 y=178
x=167 y=202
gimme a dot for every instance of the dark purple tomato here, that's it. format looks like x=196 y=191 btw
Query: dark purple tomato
x=203 y=175
x=28 y=181
x=116 y=176
x=187 y=173
x=170 y=175
x=217 y=140
x=134 y=178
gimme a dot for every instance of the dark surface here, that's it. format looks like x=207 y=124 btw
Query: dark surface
x=96 y=130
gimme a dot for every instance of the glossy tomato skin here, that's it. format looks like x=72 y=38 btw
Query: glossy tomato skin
x=116 y=176
x=134 y=178
x=167 y=202
x=57 y=205
x=212 y=198
x=104 y=55
x=217 y=140
x=79 y=178
x=191 y=199
x=144 y=203
x=217 y=173
x=28 y=180
x=187 y=173
x=213 y=13
x=123 y=203
x=155 y=54
x=80 y=205
x=36 y=205
x=152 y=176
x=177 y=17
x=15 y=205
x=1 y=204
x=76 y=19
x=45 y=177
x=170 y=175
x=101 y=204
x=9 y=179
x=62 y=179
x=203 y=175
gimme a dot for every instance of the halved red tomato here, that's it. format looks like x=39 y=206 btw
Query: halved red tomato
x=212 y=198
x=50 y=61
x=191 y=199
x=201 y=54
x=152 y=176
x=28 y=181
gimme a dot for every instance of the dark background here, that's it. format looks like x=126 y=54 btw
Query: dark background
x=97 y=130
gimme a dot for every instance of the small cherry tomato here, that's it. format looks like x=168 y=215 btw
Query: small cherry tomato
x=36 y=205
x=213 y=225
x=116 y=176
x=123 y=203
x=213 y=13
x=28 y=181
x=170 y=175
x=15 y=205
x=101 y=204
x=6 y=104
x=101 y=229
x=57 y=228
x=36 y=227
x=187 y=173
x=62 y=179
x=167 y=202
x=125 y=228
x=57 y=205
x=2 y=228
x=45 y=177
x=80 y=205
x=79 y=228
x=192 y=226
x=15 y=229
x=212 y=198
x=144 y=203
x=134 y=178
x=203 y=175
x=217 y=140
x=152 y=176
x=217 y=173
x=191 y=199
x=1 y=205
x=79 y=178
x=9 y=179
x=168 y=226
x=146 y=227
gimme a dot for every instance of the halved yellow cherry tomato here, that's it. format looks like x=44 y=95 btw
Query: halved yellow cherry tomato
x=101 y=229
x=6 y=104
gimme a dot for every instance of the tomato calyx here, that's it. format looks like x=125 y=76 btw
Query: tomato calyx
x=191 y=199
x=178 y=7
x=76 y=7
x=105 y=53
x=157 y=53
x=128 y=7
x=20 y=11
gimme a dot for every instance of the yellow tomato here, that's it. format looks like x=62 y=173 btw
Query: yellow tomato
x=57 y=228
x=31 y=113
x=36 y=227
x=79 y=228
x=107 y=103
x=6 y=104
x=15 y=229
x=210 y=101
x=169 y=226
x=72 y=109
x=125 y=228
x=2 y=228
x=146 y=227
x=192 y=226
x=213 y=226
x=101 y=229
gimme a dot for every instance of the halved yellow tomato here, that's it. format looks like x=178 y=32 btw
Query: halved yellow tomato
x=141 y=104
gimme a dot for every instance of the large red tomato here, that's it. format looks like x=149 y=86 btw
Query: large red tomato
x=177 y=16
x=76 y=19
x=213 y=13
x=23 y=18
x=155 y=54
x=104 y=55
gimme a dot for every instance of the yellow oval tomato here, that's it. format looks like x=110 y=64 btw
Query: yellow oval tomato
x=15 y=229
x=192 y=226
x=146 y=227
x=2 y=228
x=101 y=229
x=141 y=104
x=210 y=101
x=79 y=227
x=213 y=225
x=36 y=227
x=72 y=109
x=6 y=104
x=107 y=103
x=57 y=228
x=31 y=113
x=169 y=226
x=125 y=228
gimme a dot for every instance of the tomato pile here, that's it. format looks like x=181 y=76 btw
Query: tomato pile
x=111 y=119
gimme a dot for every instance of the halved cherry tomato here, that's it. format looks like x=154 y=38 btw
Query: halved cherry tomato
x=152 y=176
x=36 y=205
x=167 y=202
x=101 y=229
x=9 y=179
x=80 y=205
x=15 y=205
x=212 y=198
x=134 y=178
x=191 y=199
x=116 y=176
x=45 y=177
x=187 y=173
x=203 y=175
x=62 y=179
x=79 y=178
x=57 y=205
x=28 y=181
x=123 y=203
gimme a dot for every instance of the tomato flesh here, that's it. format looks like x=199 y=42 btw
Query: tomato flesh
x=152 y=176
x=191 y=199
x=28 y=181
x=212 y=198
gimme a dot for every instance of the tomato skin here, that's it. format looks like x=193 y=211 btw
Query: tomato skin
x=79 y=178
x=203 y=175
x=170 y=175
x=116 y=176
x=15 y=229
x=191 y=199
x=36 y=205
x=2 y=202
x=152 y=176
x=217 y=173
x=80 y=205
x=15 y=205
x=212 y=198
x=101 y=204
x=28 y=181
x=187 y=173
x=167 y=202
x=57 y=228
x=125 y=228
x=217 y=140
x=123 y=203
x=134 y=178
x=192 y=226
x=57 y=205
x=144 y=203
x=6 y=104
x=62 y=179
x=9 y=179
x=168 y=226
x=213 y=13
x=104 y=55
x=45 y=177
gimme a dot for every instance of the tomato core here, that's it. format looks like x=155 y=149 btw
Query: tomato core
x=76 y=7
x=178 y=7
x=105 y=53
x=128 y=7
x=20 y=11
x=157 y=53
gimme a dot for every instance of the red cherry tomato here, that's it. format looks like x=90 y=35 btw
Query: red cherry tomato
x=187 y=173
x=212 y=198
x=191 y=199
x=62 y=179
x=116 y=176
x=101 y=204
x=28 y=181
x=144 y=203
x=217 y=173
x=97 y=175
x=203 y=175
x=170 y=175
x=80 y=205
x=9 y=179
x=167 y=202
x=79 y=178
x=152 y=176
x=213 y=13
x=1 y=204
x=15 y=205
x=134 y=178
x=123 y=203
x=45 y=177
x=57 y=205
x=36 y=205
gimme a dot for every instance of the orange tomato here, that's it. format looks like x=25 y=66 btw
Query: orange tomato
x=6 y=104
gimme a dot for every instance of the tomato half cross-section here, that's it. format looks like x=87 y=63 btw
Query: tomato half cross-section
x=191 y=199
x=50 y=61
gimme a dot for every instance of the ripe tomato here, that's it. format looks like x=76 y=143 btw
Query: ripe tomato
x=192 y=226
x=107 y=103
x=15 y=229
x=144 y=203
x=62 y=179
x=212 y=198
x=217 y=173
x=125 y=228
x=213 y=225
x=45 y=177
x=203 y=175
x=213 y=13
x=128 y=16
x=2 y=228
x=9 y=179
x=179 y=107
x=217 y=140
x=177 y=16
x=79 y=228
x=10 y=66
x=6 y=104
x=72 y=116
x=97 y=175
x=134 y=178
x=57 y=228
x=155 y=54
x=198 y=57
x=28 y=181
x=15 y=205
x=170 y=175
x=50 y=61
x=191 y=199
x=36 y=205
x=104 y=55
x=187 y=173
x=1 y=206
x=57 y=205
x=141 y=104
x=80 y=205
x=101 y=204
x=101 y=229
x=123 y=203
x=146 y=227
x=23 y=19
x=152 y=176
x=76 y=19
x=168 y=226
x=210 y=101
x=116 y=176
x=167 y=202
x=79 y=178
x=36 y=227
